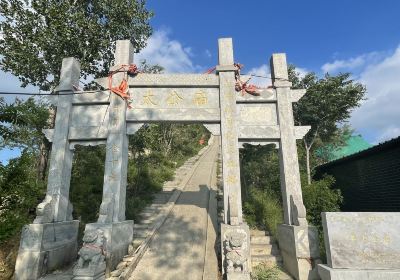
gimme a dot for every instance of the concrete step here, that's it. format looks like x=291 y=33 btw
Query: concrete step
x=148 y=213
x=155 y=206
x=256 y=232
x=140 y=227
x=137 y=241
x=137 y=233
x=264 y=249
x=149 y=221
x=284 y=276
x=261 y=240
x=268 y=260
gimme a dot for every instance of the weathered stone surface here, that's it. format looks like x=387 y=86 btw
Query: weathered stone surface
x=364 y=240
x=115 y=171
x=202 y=115
x=289 y=165
x=51 y=241
x=257 y=114
x=92 y=262
x=118 y=236
x=235 y=248
x=170 y=80
x=170 y=98
x=45 y=247
x=300 y=250
x=229 y=136
x=328 y=273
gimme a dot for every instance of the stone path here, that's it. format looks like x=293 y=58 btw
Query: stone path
x=183 y=247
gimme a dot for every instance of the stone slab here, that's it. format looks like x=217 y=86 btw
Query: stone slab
x=300 y=250
x=45 y=247
x=203 y=115
x=327 y=273
x=173 y=97
x=362 y=240
x=170 y=80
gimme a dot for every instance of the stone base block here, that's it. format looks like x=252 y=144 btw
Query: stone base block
x=235 y=248
x=300 y=250
x=46 y=247
x=118 y=237
x=327 y=273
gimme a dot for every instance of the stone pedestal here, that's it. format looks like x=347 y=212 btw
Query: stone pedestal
x=361 y=246
x=300 y=250
x=118 y=236
x=328 y=273
x=46 y=247
x=235 y=248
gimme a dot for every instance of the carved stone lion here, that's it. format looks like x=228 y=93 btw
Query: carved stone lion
x=91 y=255
x=236 y=258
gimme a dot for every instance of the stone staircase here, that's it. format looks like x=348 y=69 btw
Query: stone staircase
x=264 y=249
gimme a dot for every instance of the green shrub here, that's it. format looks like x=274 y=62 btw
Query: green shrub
x=264 y=272
x=20 y=193
x=263 y=210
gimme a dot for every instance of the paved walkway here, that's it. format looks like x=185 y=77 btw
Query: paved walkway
x=183 y=248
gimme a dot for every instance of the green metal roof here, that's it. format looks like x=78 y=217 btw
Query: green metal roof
x=353 y=145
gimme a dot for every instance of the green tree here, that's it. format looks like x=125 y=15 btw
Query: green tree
x=38 y=34
x=327 y=103
x=21 y=123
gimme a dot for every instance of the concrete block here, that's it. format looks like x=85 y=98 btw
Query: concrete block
x=364 y=240
x=46 y=247
x=300 y=250
x=328 y=273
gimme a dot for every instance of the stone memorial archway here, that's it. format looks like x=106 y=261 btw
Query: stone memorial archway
x=50 y=242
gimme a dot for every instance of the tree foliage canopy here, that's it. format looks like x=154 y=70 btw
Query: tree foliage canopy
x=21 y=123
x=38 y=34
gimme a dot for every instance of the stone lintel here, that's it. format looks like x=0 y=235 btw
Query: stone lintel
x=173 y=80
x=92 y=98
x=173 y=115
x=246 y=132
x=86 y=143
x=224 y=68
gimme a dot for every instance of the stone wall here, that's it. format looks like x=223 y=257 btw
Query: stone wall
x=369 y=180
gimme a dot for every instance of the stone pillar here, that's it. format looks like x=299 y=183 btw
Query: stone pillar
x=289 y=165
x=234 y=233
x=111 y=228
x=298 y=241
x=51 y=241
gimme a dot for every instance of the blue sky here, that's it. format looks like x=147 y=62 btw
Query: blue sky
x=362 y=37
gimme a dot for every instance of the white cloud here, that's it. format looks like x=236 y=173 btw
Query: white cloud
x=379 y=115
x=168 y=53
x=263 y=71
x=353 y=63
